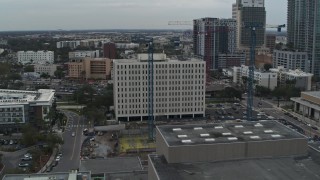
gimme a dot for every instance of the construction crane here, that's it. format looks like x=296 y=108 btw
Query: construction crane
x=150 y=91
x=250 y=88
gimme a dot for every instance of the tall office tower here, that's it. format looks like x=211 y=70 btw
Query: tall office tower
x=304 y=30
x=109 y=50
x=250 y=12
x=212 y=36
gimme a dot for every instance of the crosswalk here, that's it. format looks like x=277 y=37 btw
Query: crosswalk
x=69 y=127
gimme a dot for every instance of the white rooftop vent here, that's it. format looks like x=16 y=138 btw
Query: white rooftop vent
x=276 y=135
x=197 y=128
x=209 y=140
x=248 y=132
x=176 y=129
x=182 y=136
x=238 y=126
x=232 y=138
x=218 y=127
x=268 y=131
x=187 y=141
x=258 y=125
x=204 y=135
x=226 y=134
x=255 y=137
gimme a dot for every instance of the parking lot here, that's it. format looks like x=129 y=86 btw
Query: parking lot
x=232 y=111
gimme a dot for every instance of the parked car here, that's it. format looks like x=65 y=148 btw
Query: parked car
x=24 y=164
x=26 y=158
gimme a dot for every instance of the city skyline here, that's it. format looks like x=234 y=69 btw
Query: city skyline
x=124 y=14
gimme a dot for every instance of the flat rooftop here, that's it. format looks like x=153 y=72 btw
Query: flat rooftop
x=156 y=61
x=23 y=97
x=315 y=94
x=49 y=176
x=288 y=168
x=185 y=135
x=111 y=165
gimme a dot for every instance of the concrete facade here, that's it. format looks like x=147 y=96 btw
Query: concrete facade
x=45 y=68
x=265 y=79
x=38 y=57
x=308 y=105
x=91 y=54
x=221 y=142
x=179 y=88
x=90 y=68
x=291 y=60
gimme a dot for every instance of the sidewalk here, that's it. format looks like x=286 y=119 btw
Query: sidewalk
x=50 y=161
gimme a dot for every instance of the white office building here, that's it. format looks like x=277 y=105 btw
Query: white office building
x=179 y=88
x=302 y=80
x=38 y=57
x=45 y=69
x=20 y=107
x=291 y=60
x=261 y=78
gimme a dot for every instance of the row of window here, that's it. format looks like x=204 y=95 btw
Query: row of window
x=157 y=100
x=161 y=66
x=172 y=110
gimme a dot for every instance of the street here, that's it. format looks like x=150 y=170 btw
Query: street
x=72 y=144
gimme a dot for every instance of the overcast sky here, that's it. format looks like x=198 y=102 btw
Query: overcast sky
x=118 y=14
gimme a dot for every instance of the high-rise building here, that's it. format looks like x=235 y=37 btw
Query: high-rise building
x=250 y=13
x=179 y=88
x=212 y=36
x=271 y=41
x=109 y=50
x=304 y=30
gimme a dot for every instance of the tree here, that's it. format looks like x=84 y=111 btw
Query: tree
x=59 y=73
x=230 y=92
x=45 y=75
x=267 y=66
x=262 y=91
x=29 y=68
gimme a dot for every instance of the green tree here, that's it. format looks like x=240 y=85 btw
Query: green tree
x=59 y=73
x=267 y=66
x=29 y=68
x=262 y=91
x=45 y=75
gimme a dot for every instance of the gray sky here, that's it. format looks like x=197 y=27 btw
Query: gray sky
x=113 y=14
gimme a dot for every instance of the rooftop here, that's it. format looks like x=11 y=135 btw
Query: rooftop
x=23 y=97
x=133 y=61
x=48 y=176
x=315 y=94
x=180 y=135
x=111 y=165
x=288 y=168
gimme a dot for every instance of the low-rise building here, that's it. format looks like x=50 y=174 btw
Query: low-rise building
x=308 y=104
x=301 y=80
x=210 y=151
x=179 y=88
x=90 y=68
x=73 y=175
x=261 y=78
x=35 y=57
x=45 y=68
x=21 y=107
x=79 y=54
x=291 y=60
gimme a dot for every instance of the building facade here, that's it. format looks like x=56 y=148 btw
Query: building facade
x=45 y=68
x=179 y=88
x=291 y=60
x=109 y=50
x=308 y=105
x=271 y=41
x=21 y=107
x=231 y=60
x=90 y=68
x=250 y=13
x=91 y=54
x=300 y=79
x=261 y=78
x=38 y=57
x=304 y=30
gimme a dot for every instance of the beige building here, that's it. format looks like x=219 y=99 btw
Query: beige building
x=45 y=68
x=308 y=105
x=90 y=68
